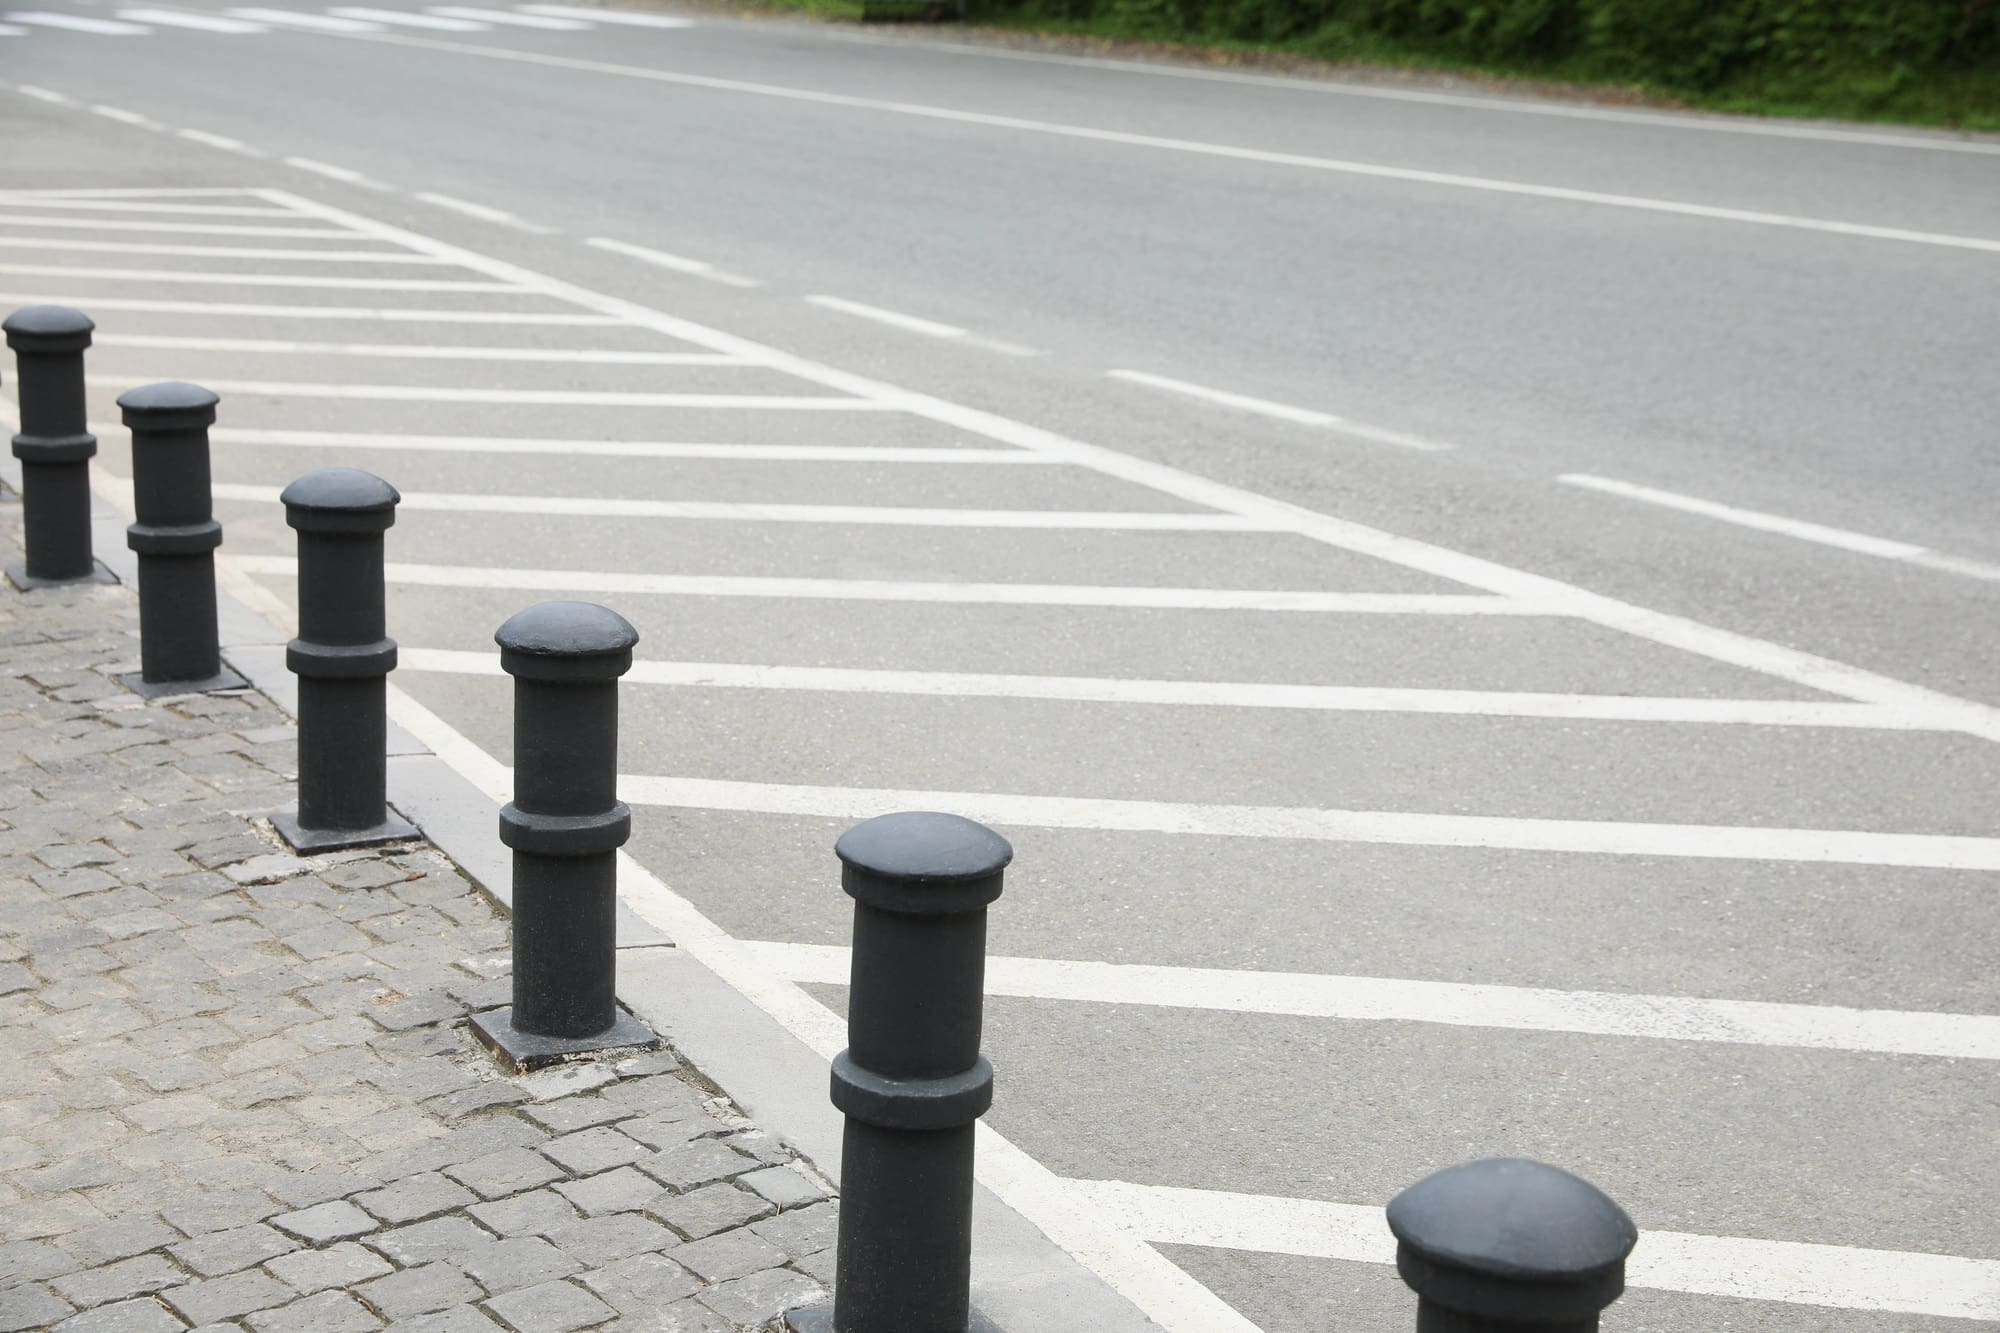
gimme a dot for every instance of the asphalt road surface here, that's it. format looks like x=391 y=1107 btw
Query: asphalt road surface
x=1477 y=615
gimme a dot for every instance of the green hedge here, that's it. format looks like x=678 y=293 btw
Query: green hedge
x=1924 y=59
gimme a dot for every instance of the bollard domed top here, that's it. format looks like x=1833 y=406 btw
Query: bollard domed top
x=172 y=405
x=566 y=641
x=922 y=861
x=1512 y=1239
x=48 y=328
x=340 y=499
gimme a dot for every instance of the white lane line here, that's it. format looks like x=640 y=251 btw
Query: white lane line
x=9 y=30
x=1844 y=1277
x=425 y=393
x=1839 y=538
x=561 y=319
x=734 y=453
x=42 y=94
x=695 y=268
x=750 y=512
x=1303 y=416
x=1939 y=851
x=606 y=582
x=296 y=19
x=1262 y=157
x=227 y=145
x=173 y=228
x=1454 y=1004
x=508 y=19
x=79 y=23
x=345 y=175
x=1532 y=106
x=405 y=19
x=89 y=205
x=1222 y=694
x=255 y=279
x=219 y=251
x=180 y=18
x=499 y=216
x=124 y=117
x=596 y=15
x=421 y=352
x=1718 y=645
x=908 y=323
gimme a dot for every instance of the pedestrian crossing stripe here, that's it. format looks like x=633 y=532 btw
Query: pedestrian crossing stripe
x=342 y=19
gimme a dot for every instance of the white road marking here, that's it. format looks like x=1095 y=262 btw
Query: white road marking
x=696 y=268
x=425 y=393
x=507 y=19
x=606 y=582
x=1400 y=828
x=1839 y=538
x=481 y=211
x=255 y=279
x=42 y=94
x=173 y=228
x=181 y=18
x=1524 y=104
x=124 y=117
x=405 y=19
x=227 y=145
x=1263 y=157
x=391 y=315
x=596 y=15
x=1222 y=694
x=735 y=453
x=297 y=19
x=908 y=323
x=9 y=30
x=420 y=352
x=1941 y=1286
x=88 y=205
x=1454 y=1004
x=218 y=251
x=78 y=23
x=345 y=175
x=1303 y=416
x=729 y=511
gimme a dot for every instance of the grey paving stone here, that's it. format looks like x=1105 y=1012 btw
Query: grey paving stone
x=427 y=1242
x=520 y=1262
x=458 y=1319
x=683 y=1316
x=611 y=1192
x=732 y=1254
x=819 y=1267
x=117 y=1282
x=592 y=1150
x=574 y=1113
x=478 y=1097
x=800 y=1231
x=656 y=1132
x=702 y=1162
x=552 y=1307
x=32 y=1260
x=30 y=1305
x=537 y=1212
x=227 y=1297
x=344 y=1265
x=642 y=1283
x=118 y=1240
x=302 y=1189
x=328 y=1312
x=762 y=1296
x=708 y=1210
x=227 y=1251
x=415 y=1197
x=785 y=1186
x=600 y=1240
x=508 y=1171
x=326 y=1222
x=144 y=1315
x=416 y=1291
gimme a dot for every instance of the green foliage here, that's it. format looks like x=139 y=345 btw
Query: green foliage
x=1933 y=60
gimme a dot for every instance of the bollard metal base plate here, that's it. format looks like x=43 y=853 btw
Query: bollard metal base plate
x=19 y=576
x=224 y=679
x=301 y=839
x=819 y=1319
x=525 y=1051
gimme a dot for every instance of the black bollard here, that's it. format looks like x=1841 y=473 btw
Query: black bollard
x=55 y=446
x=342 y=658
x=175 y=538
x=1507 y=1245
x=565 y=825
x=912 y=1081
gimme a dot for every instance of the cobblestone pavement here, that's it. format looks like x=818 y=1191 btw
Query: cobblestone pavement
x=243 y=1095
